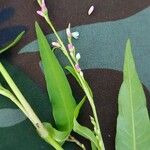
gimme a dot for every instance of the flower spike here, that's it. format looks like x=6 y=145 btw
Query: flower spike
x=43 y=12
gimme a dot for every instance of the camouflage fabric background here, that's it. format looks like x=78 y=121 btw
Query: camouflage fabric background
x=102 y=41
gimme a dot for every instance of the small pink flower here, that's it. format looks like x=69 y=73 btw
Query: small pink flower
x=70 y=48
x=40 y=13
x=43 y=5
x=43 y=10
x=78 y=67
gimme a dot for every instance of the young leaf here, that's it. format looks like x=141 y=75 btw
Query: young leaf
x=133 y=125
x=12 y=43
x=85 y=132
x=81 y=130
x=59 y=91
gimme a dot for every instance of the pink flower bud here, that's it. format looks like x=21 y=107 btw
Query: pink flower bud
x=70 y=48
x=43 y=6
x=78 y=67
x=40 y=13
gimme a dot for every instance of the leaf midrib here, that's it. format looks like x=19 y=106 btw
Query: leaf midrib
x=132 y=109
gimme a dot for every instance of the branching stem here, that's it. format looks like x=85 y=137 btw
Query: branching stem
x=83 y=83
x=22 y=103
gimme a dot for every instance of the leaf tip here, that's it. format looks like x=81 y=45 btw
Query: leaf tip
x=128 y=50
x=128 y=45
x=23 y=32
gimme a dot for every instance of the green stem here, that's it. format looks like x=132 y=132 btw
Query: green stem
x=35 y=120
x=89 y=96
x=56 y=34
x=26 y=108
x=91 y=101
x=9 y=95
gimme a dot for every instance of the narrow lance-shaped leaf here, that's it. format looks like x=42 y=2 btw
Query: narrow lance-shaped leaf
x=11 y=44
x=59 y=91
x=133 y=124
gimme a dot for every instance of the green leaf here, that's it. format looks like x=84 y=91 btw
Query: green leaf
x=12 y=43
x=81 y=130
x=78 y=107
x=59 y=136
x=71 y=70
x=59 y=91
x=93 y=146
x=85 y=132
x=133 y=125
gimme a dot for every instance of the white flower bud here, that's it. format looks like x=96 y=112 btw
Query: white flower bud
x=78 y=56
x=56 y=44
x=81 y=73
x=90 y=11
x=75 y=35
